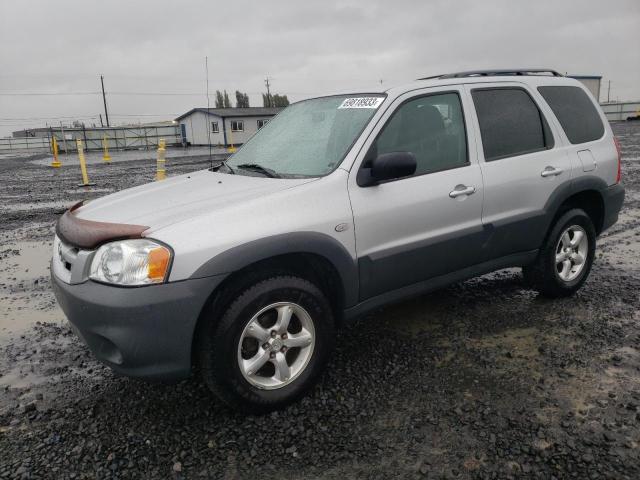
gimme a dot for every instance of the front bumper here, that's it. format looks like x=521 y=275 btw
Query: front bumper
x=139 y=332
x=613 y=197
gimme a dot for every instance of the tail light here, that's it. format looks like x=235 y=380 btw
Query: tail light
x=619 y=175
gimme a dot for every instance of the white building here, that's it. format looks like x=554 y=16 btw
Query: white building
x=592 y=82
x=223 y=126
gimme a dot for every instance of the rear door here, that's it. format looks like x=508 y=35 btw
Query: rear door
x=521 y=162
x=419 y=227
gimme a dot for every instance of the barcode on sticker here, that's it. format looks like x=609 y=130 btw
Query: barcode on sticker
x=362 y=102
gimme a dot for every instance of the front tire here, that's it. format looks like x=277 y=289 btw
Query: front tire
x=269 y=346
x=565 y=259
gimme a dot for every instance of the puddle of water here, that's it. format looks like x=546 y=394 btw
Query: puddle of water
x=22 y=312
x=23 y=301
x=92 y=190
x=24 y=207
x=18 y=379
x=32 y=371
x=31 y=261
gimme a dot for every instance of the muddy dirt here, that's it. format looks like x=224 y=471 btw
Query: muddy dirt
x=481 y=380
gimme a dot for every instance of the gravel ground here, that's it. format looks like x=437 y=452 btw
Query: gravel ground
x=480 y=380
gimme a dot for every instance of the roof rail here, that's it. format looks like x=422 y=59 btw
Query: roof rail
x=496 y=73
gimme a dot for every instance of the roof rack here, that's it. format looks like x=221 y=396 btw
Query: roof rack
x=496 y=73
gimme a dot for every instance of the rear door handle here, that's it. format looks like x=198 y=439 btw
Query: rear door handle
x=462 y=190
x=551 y=172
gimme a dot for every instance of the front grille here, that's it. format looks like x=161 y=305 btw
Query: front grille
x=70 y=263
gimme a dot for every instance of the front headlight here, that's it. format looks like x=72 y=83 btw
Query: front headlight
x=131 y=263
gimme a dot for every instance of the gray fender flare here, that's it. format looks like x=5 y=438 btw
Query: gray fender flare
x=569 y=188
x=320 y=244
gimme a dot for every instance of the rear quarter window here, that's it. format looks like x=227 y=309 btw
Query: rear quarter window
x=575 y=111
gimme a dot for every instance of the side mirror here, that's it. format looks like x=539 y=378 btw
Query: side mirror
x=387 y=166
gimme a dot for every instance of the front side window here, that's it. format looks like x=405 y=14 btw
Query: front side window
x=237 y=126
x=510 y=123
x=430 y=127
x=311 y=137
x=214 y=127
x=575 y=111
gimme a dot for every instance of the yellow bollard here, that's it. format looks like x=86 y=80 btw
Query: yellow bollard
x=105 y=147
x=231 y=149
x=83 y=166
x=160 y=170
x=56 y=162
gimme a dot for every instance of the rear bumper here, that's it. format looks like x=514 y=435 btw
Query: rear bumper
x=139 y=332
x=613 y=198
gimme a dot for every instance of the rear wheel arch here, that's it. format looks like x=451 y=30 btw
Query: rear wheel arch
x=582 y=192
x=591 y=201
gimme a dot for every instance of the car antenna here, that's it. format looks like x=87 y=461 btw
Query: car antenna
x=206 y=117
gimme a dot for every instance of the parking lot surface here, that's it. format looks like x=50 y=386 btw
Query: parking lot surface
x=483 y=379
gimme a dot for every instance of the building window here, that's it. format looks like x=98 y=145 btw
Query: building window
x=262 y=123
x=214 y=127
x=237 y=126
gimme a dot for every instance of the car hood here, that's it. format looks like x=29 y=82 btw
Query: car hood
x=159 y=204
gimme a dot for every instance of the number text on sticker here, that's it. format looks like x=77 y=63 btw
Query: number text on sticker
x=362 y=102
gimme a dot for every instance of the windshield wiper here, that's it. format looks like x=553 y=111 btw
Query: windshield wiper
x=223 y=163
x=267 y=172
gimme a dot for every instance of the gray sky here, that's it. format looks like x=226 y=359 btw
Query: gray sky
x=306 y=47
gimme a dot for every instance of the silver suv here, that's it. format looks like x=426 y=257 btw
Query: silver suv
x=337 y=206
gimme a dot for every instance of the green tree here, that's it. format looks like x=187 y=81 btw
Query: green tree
x=219 y=99
x=242 y=100
x=280 y=101
x=274 y=100
x=227 y=102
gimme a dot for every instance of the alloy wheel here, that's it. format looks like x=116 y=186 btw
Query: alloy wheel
x=571 y=253
x=276 y=345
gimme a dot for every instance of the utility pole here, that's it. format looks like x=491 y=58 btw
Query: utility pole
x=266 y=82
x=104 y=100
x=609 y=91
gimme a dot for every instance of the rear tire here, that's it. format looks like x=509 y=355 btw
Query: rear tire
x=269 y=346
x=565 y=259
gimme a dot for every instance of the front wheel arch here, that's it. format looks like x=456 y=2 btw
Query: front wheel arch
x=312 y=267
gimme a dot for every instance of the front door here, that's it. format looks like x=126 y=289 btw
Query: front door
x=416 y=228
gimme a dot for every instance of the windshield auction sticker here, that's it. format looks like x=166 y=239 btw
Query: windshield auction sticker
x=362 y=102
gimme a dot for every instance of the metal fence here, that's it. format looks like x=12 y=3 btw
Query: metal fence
x=116 y=138
x=620 y=111
x=24 y=144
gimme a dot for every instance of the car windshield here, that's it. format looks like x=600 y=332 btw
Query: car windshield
x=308 y=138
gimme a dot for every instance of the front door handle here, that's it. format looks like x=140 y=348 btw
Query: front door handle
x=462 y=190
x=550 y=172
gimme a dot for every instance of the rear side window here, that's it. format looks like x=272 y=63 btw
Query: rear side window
x=510 y=123
x=575 y=111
